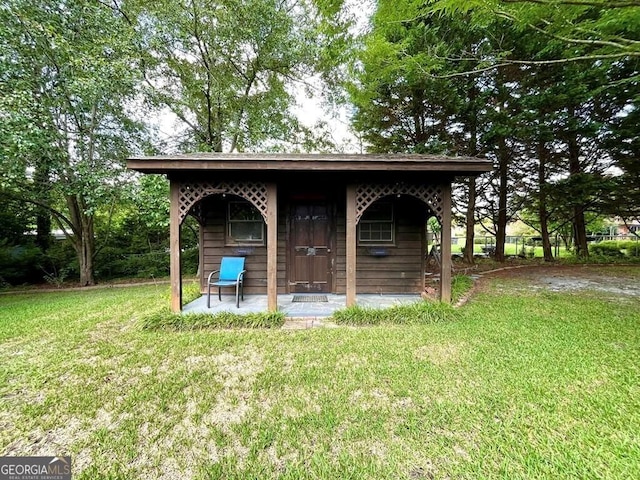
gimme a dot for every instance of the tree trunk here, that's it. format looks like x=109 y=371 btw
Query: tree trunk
x=501 y=225
x=578 y=222
x=470 y=220
x=83 y=239
x=473 y=150
x=543 y=156
x=85 y=260
x=580 y=232
x=417 y=101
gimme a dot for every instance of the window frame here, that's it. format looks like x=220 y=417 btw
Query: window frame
x=230 y=239
x=391 y=222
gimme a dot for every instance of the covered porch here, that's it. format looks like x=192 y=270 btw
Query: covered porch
x=307 y=214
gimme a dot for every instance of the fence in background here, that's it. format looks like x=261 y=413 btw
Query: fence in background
x=523 y=245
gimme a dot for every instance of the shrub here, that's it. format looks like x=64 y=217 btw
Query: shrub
x=166 y=320
x=60 y=263
x=607 y=248
x=190 y=258
x=630 y=247
x=114 y=263
x=414 y=313
x=527 y=252
x=20 y=264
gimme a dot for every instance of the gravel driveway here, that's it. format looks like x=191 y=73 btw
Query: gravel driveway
x=615 y=280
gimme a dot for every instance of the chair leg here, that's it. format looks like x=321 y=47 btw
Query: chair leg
x=208 y=296
x=219 y=296
x=237 y=297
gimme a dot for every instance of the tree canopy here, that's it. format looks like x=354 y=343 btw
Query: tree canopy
x=79 y=79
x=547 y=89
x=228 y=69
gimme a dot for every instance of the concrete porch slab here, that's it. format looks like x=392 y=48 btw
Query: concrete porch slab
x=297 y=310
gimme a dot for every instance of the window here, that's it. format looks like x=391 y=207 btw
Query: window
x=376 y=226
x=244 y=224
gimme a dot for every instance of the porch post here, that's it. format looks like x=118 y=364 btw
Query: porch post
x=174 y=246
x=272 y=247
x=351 y=245
x=445 y=245
x=201 y=278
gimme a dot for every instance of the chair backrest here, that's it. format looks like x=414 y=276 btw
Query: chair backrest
x=230 y=267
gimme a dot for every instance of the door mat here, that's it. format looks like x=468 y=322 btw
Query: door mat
x=309 y=298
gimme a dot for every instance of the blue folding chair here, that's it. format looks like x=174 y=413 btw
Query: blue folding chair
x=231 y=274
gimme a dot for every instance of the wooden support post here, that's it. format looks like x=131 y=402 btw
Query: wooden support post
x=174 y=247
x=351 y=245
x=272 y=247
x=201 y=275
x=424 y=241
x=445 y=245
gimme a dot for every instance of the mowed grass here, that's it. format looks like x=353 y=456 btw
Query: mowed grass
x=518 y=383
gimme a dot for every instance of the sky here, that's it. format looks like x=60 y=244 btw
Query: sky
x=311 y=110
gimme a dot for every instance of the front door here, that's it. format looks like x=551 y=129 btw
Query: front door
x=310 y=248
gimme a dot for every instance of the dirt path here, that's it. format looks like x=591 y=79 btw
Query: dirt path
x=611 y=279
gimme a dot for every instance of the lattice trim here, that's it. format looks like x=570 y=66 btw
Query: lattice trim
x=366 y=194
x=192 y=193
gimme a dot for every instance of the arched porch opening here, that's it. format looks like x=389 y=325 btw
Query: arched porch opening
x=437 y=199
x=187 y=199
x=393 y=245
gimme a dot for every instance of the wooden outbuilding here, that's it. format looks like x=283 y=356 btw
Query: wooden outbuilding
x=313 y=223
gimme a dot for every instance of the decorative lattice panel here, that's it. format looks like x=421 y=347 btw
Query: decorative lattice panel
x=192 y=193
x=366 y=194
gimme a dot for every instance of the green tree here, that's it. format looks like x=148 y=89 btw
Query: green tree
x=68 y=84
x=398 y=108
x=622 y=142
x=409 y=97
x=227 y=69
x=578 y=56
x=591 y=29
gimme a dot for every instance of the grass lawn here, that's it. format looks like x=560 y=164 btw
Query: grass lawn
x=514 y=249
x=521 y=383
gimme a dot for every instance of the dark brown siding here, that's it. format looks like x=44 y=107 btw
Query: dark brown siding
x=214 y=248
x=400 y=271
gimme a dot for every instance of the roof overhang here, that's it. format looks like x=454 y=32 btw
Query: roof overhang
x=194 y=162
